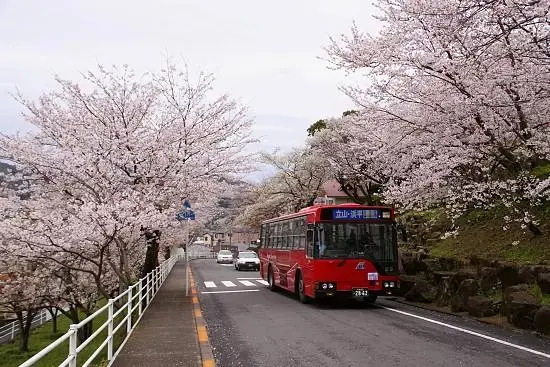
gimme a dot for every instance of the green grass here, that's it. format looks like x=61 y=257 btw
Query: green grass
x=481 y=234
x=543 y=298
x=43 y=336
x=542 y=170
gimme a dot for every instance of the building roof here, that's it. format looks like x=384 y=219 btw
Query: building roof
x=333 y=189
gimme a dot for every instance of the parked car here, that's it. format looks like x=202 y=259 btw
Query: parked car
x=224 y=256
x=247 y=260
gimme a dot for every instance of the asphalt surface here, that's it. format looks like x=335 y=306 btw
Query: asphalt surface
x=263 y=328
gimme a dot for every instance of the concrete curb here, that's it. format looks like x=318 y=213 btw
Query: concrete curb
x=508 y=327
x=421 y=306
x=207 y=356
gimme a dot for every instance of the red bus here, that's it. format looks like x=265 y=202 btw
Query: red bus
x=331 y=251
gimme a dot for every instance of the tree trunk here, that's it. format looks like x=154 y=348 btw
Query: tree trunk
x=85 y=331
x=25 y=329
x=72 y=314
x=151 y=254
x=53 y=311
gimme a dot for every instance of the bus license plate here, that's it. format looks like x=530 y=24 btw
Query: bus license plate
x=360 y=292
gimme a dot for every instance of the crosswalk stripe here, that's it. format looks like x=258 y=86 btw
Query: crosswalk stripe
x=228 y=283
x=210 y=284
x=261 y=281
x=247 y=283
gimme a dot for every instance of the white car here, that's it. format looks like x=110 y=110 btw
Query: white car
x=224 y=256
x=247 y=260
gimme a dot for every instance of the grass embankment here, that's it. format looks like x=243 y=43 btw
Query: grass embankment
x=43 y=336
x=481 y=234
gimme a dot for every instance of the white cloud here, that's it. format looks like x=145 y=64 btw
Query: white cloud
x=263 y=53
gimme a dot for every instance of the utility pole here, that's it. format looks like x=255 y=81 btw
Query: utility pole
x=186 y=234
x=186 y=215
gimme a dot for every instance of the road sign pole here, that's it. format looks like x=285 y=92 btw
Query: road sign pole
x=186 y=215
x=186 y=257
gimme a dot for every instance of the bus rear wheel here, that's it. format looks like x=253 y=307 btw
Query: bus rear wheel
x=300 y=289
x=271 y=279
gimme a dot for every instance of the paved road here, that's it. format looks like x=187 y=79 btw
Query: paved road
x=251 y=326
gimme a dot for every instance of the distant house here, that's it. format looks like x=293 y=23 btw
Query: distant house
x=205 y=240
x=238 y=237
x=334 y=194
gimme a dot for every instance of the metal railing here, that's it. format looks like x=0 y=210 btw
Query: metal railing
x=137 y=297
x=9 y=331
x=203 y=255
x=200 y=252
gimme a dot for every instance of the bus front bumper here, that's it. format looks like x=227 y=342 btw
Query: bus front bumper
x=352 y=294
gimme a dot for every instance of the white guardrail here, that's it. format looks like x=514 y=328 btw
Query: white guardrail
x=9 y=331
x=137 y=297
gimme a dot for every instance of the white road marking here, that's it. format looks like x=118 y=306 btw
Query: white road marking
x=256 y=278
x=210 y=284
x=226 y=264
x=247 y=283
x=228 y=283
x=529 y=350
x=239 y=291
x=261 y=281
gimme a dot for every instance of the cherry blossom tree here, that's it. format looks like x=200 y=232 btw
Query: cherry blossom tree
x=112 y=158
x=297 y=181
x=23 y=293
x=458 y=97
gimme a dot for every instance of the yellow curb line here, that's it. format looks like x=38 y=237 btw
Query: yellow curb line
x=203 y=336
x=207 y=357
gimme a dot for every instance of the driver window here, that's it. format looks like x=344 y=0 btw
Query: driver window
x=309 y=250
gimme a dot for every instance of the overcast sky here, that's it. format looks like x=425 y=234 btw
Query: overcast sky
x=263 y=53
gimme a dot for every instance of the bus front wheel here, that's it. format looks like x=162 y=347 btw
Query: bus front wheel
x=300 y=288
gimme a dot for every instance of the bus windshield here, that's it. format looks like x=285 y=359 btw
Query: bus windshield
x=375 y=242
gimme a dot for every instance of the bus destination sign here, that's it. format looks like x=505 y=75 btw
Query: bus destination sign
x=339 y=214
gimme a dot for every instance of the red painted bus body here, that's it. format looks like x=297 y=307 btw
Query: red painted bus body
x=331 y=251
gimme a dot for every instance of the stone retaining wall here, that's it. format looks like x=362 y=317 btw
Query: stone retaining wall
x=480 y=287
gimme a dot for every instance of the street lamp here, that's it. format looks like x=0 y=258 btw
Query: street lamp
x=229 y=234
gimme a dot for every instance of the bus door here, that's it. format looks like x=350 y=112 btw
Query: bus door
x=308 y=264
x=283 y=253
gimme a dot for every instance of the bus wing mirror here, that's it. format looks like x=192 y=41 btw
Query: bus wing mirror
x=309 y=235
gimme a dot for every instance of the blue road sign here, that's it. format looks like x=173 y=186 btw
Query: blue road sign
x=186 y=215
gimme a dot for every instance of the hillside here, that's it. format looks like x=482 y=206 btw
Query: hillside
x=481 y=235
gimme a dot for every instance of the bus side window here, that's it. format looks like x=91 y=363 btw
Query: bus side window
x=309 y=243
x=262 y=235
x=302 y=234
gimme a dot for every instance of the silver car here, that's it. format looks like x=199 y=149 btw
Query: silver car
x=225 y=257
x=247 y=260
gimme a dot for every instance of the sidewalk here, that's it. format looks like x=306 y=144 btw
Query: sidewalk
x=166 y=335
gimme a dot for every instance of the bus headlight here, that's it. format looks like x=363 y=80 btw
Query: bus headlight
x=327 y=286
